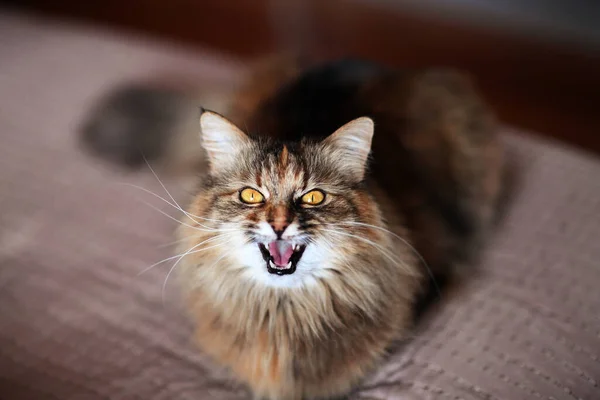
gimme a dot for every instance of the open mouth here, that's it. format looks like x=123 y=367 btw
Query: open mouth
x=281 y=256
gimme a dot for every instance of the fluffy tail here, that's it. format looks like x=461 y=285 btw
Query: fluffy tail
x=160 y=124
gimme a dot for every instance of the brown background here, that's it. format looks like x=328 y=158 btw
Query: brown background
x=549 y=88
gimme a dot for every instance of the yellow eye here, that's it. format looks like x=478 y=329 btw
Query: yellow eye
x=251 y=196
x=313 y=198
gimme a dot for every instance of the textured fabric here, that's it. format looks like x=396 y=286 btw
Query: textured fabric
x=78 y=322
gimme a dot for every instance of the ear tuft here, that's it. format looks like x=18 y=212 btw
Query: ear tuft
x=352 y=142
x=221 y=139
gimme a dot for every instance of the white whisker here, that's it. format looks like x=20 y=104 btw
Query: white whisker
x=160 y=182
x=172 y=198
x=410 y=246
x=179 y=255
x=382 y=249
x=181 y=258
x=173 y=218
x=188 y=225
x=218 y=259
x=162 y=246
x=172 y=205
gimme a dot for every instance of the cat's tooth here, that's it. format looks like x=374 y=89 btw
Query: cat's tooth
x=271 y=264
x=289 y=265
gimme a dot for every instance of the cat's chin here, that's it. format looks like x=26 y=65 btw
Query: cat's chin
x=280 y=264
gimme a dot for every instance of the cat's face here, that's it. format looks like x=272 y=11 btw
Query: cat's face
x=287 y=213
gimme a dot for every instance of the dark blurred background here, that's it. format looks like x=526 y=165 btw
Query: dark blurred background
x=536 y=61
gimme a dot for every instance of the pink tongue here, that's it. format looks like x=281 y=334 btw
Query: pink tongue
x=281 y=251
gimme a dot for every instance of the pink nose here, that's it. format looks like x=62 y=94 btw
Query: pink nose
x=279 y=220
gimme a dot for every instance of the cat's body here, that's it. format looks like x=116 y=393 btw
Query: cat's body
x=303 y=260
x=435 y=153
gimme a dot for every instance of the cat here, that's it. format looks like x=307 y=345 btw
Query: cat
x=329 y=202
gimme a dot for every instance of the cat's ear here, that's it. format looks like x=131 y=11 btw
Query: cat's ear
x=221 y=139
x=352 y=143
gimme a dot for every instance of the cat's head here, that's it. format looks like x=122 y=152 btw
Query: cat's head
x=283 y=214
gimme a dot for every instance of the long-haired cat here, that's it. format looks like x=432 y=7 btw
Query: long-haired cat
x=322 y=213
